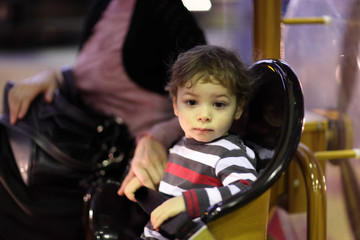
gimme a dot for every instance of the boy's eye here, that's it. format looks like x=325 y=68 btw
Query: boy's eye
x=191 y=102
x=219 y=104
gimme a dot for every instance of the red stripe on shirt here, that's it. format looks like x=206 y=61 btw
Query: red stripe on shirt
x=189 y=203
x=245 y=182
x=192 y=203
x=191 y=175
x=196 y=203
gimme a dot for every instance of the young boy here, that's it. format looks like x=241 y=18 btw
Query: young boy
x=209 y=87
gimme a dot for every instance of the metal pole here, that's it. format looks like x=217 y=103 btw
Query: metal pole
x=267 y=29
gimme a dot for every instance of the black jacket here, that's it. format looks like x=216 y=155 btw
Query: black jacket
x=158 y=31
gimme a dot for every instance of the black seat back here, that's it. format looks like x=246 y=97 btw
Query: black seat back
x=271 y=125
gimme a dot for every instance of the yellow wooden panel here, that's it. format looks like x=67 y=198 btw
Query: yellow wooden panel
x=248 y=222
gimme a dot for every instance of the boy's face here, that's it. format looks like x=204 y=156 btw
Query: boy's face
x=205 y=110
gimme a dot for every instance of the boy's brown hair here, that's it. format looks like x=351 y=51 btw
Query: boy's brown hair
x=209 y=62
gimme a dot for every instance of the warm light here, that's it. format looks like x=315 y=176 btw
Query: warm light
x=197 y=5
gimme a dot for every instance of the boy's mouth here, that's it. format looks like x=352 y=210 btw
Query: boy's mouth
x=203 y=130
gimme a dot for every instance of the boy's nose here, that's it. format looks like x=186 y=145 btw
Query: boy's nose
x=204 y=119
x=204 y=116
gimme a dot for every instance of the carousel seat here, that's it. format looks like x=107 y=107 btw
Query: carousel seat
x=271 y=125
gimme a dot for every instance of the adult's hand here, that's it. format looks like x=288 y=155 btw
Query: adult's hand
x=24 y=92
x=131 y=188
x=148 y=163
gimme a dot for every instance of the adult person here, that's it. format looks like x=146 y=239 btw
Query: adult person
x=121 y=70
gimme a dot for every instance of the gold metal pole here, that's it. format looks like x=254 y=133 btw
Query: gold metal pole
x=316 y=193
x=337 y=154
x=309 y=20
x=267 y=33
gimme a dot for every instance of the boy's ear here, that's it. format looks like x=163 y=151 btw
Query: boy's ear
x=175 y=106
x=238 y=112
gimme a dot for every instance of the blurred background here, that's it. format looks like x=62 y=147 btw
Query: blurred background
x=26 y=24
x=39 y=34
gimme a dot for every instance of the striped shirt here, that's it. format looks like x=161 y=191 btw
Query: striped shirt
x=207 y=173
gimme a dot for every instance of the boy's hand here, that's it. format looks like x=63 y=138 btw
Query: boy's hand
x=130 y=189
x=169 y=208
